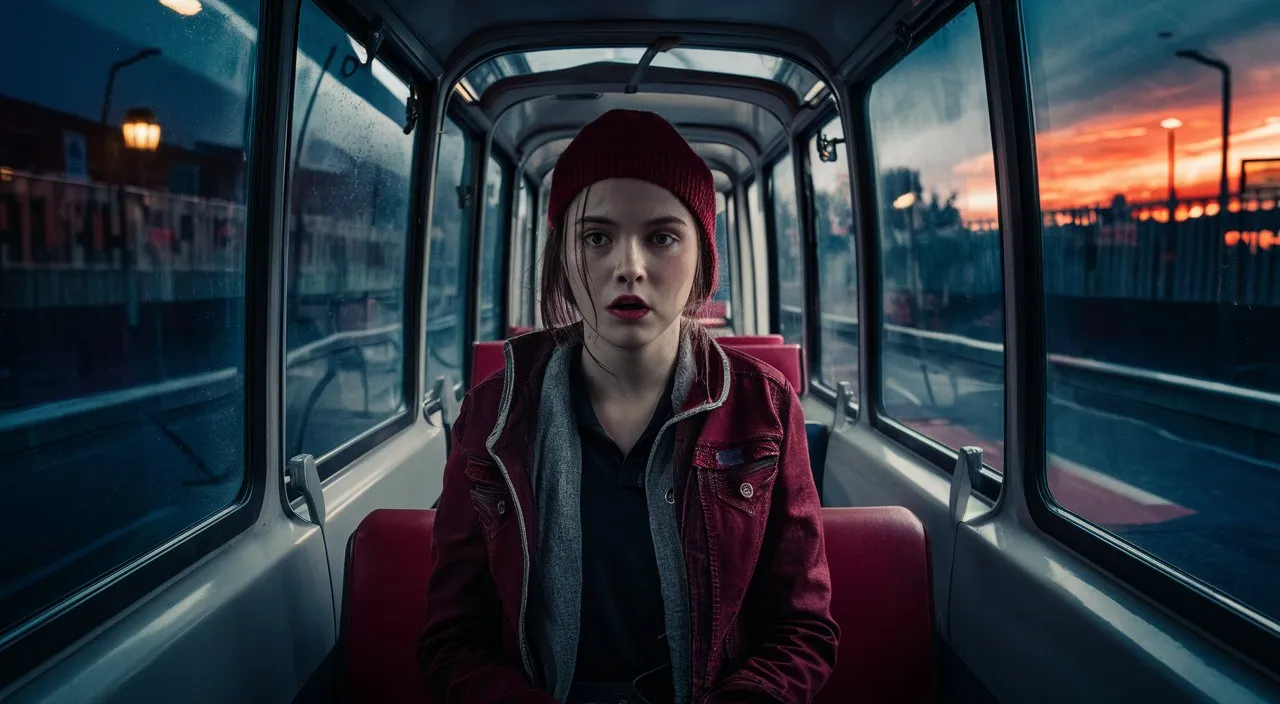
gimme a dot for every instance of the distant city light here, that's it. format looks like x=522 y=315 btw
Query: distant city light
x=186 y=8
x=1171 y=123
x=904 y=201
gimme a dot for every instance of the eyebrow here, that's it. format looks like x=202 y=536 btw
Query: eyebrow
x=655 y=222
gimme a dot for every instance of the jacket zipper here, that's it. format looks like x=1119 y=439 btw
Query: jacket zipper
x=508 y=386
x=657 y=440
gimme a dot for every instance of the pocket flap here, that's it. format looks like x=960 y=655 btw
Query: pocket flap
x=737 y=457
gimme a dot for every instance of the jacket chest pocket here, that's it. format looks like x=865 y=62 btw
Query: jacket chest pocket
x=490 y=498
x=736 y=486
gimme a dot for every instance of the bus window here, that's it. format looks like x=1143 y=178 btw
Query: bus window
x=719 y=309
x=447 y=258
x=493 y=248
x=756 y=240
x=788 y=252
x=837 y=260
x=942 y=349
x=521 y=293
x=348 y=235
x=1167 y=299
x=122 y=316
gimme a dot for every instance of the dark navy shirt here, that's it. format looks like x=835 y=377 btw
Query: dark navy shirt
x=623 y=627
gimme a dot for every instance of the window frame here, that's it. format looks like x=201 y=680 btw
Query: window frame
x=332 y=462
x=1246 y=632
x=989 y=483
x=817 y=386
x=467 y=271
x=731 y=254
x=531 y=245
x=42 y=636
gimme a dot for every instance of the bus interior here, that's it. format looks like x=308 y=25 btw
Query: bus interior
x=253 y=254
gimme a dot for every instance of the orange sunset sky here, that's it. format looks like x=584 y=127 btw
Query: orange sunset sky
x=1118 y=149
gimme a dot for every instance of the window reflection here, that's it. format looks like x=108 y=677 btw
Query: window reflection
x=122 y=281
x=837 y=259
x=348 y=235
x=942 y=351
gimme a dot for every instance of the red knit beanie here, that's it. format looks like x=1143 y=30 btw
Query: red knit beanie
x=640 y=145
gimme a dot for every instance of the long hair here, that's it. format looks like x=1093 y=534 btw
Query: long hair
x=559 y=310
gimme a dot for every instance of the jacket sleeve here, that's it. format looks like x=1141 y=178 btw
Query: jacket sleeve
x=459 y=652
x=796 y=648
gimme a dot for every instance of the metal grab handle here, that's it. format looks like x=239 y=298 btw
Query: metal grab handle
x=302 y=478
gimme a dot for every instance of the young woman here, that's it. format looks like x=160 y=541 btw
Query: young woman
x=628 y=513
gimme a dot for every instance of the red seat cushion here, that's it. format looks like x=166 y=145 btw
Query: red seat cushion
x=384 y=609
x=735 y=340
x=486 y=358
x=785 y=358
x=879 y=560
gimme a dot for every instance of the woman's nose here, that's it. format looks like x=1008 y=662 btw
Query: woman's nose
x=631 y=267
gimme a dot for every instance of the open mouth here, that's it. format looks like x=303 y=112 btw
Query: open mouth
x=629 y=307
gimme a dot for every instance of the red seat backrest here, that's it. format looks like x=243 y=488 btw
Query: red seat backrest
x=384 y=610
x=518 y=330
x=785 y=358
x=735 y=340
x=486 y=358
x=879 y=560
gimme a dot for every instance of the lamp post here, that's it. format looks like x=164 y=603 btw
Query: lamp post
x=1170 y=124
x=1224 y=188
x=131 y=303
x=905 y=204
x=1234 y=274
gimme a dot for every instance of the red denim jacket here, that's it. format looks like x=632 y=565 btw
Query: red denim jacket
x=748 y=517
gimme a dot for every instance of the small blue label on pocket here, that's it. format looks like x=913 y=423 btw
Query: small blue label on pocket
x=729 y=458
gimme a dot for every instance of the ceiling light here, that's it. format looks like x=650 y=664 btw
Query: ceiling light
x=814 y=91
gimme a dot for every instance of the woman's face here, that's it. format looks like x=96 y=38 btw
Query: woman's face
x=638 y=245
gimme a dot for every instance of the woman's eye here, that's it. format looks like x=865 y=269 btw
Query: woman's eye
x=595 y=238
x=665 y=239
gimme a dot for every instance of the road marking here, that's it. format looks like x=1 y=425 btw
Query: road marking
x=895 y=385
x=1108 y=482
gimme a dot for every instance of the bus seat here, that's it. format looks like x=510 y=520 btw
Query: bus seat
x=737 y=340
x=384 y=606
x=879 y=564
x=518 y=330
x=785 y=358
x=879 y=560
x=486 y=358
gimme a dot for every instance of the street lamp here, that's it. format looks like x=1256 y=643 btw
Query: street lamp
x=130 y=292
x=1224 y=189
x=111 y=77
x=1170 y=124
x=141 y=131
